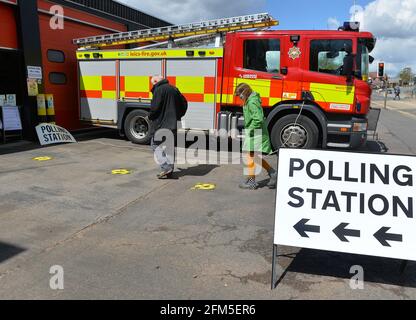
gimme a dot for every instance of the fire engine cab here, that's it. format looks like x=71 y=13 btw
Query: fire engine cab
x=313 y=84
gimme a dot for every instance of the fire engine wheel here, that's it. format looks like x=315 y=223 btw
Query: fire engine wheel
x=300 y=134
x=137 y=127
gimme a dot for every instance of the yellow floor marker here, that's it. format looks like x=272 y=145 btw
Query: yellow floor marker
x=204 y=186
x=42 y=159
x=120 y=172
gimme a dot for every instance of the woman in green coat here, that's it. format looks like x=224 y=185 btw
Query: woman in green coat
x=257 y=141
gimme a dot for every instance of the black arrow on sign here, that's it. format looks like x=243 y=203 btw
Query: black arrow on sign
x=342 y=232
x=382 y=236
x=301 y=227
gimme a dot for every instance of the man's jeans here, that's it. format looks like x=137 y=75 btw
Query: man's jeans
x=164 y=155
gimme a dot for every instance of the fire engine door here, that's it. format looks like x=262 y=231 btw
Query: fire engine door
x=261 y=67
x=325 y=79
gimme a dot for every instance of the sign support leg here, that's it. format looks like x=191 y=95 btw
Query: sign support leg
x=274 y=262
x=3 y=131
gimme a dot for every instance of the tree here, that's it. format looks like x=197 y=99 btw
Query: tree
x=406 y=75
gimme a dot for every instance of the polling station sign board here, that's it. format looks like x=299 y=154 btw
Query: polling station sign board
x=52 y=134
x=347 y=202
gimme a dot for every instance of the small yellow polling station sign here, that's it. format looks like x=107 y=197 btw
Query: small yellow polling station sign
x=121 y=172
x=204 y=186
x=42 y=159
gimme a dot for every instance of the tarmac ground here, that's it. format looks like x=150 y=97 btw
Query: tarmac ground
x=132 y=236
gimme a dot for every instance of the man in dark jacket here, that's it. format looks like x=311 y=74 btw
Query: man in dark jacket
x=164 y=113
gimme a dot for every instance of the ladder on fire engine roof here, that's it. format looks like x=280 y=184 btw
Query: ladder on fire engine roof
x=218 y=26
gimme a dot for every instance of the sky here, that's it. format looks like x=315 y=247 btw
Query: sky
x=393 y=22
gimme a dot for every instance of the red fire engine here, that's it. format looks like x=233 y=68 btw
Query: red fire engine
x=314 y=84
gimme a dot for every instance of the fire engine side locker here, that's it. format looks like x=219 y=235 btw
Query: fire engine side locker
x=197 y=80
x=98 y=100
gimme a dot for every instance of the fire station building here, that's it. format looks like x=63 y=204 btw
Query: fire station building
x=36 y=46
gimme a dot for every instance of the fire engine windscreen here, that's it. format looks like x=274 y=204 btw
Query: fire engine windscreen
x=327 y=56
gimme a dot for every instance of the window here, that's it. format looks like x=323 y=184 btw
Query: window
x=56 y=56
x=262 y=55
x=327 y=56
x=365 y=63
x=365 y=46
x=57 y=78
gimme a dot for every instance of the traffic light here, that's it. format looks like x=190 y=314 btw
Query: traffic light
x=381 y=70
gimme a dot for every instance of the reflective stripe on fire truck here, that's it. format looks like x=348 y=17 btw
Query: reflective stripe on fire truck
x=98 y=87
x=195 y=89
x=135 y=77
x=329 y=95
x=270 y=91
x=135 y=87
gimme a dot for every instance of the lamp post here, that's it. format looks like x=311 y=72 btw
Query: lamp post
x=386 y=84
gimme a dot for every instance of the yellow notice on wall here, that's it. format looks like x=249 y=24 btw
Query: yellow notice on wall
x=32 y=87
x=41 y=99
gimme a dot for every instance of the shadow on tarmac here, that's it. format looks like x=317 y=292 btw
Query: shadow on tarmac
x=198 y=171
x=85 y=135
x=374 y=146
x=8 y=251
x=18 y=147
x=105 y=133
x=338 y=265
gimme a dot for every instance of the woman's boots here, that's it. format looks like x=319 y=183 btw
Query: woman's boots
x=273 y=180
x=249 y=184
